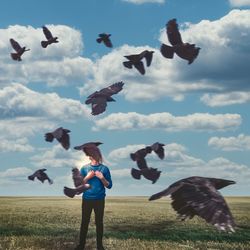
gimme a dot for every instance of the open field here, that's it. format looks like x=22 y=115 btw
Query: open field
x=130 y=223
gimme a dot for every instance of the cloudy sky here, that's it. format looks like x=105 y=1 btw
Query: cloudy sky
x=199 y=111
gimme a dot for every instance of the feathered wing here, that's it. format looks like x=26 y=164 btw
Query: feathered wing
x=15 y=45
x=158 y=149
x=99 y=106
x=149 y=57
x=108 y=42
x=204 y=201
x=47 y=33
x=140 y=67
x=167 y=51
x=173 y=33
x=141 y=163
x=112 y=89
x=88 y=144
x=65 y=140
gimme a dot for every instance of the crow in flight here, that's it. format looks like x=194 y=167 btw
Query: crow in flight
x=78 y=182
x=186 y=51
x=19 y=50
x=49 y=37
x=99 y=99
x=136 y=60
x=40 y=175
x=105 y=38
x=200 y=196
x=151 y=174
x=61 y=135
x=88 y=145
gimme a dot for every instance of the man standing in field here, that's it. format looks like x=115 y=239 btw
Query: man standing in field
x=99 y=178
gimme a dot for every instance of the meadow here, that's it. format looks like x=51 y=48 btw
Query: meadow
x=130 y=223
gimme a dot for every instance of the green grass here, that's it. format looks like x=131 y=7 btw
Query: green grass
x=130 y=223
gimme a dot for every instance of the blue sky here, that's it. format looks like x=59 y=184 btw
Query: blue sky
x=199 y=111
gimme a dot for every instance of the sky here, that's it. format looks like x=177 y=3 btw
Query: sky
x=200 y=112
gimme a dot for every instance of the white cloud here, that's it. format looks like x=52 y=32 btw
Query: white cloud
x=239 y=3
x=24 y=127
x=58 y=157
x=144 y=1
x=17 y=100
x=239 y=143
x=168 y=122
x=58 y=64
x=214 y=70
x=216 y=100
x=15 y=172
x=19 y=145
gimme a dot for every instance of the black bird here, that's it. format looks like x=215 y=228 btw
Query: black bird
x=78 y=182
x=61 y=135
x=136 y=60
x=186 y=51
x=49 y=37
x=151 y=174
x=87 y=145
x=105 y=38
x=99 y=99
x=19 y=50
x=158 y=149
x=40 y=175
x=199 y=196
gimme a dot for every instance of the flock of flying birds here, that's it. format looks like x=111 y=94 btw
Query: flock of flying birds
x=190 y=196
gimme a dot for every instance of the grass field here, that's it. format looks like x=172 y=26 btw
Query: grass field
x=130 y=223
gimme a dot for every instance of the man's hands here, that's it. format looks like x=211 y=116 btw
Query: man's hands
x=98 y=174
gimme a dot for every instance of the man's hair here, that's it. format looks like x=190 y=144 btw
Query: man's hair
x=94 y=152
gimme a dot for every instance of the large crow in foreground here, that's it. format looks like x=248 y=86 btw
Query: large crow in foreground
x=49 y=37
x=103 y=37
x=186 y=51
x=78 y=182
x=61 y=135
x=19 y=50
x=136 y=60
x=199 y=196
x=99 y=99
x=40 y=175
x=149 y=173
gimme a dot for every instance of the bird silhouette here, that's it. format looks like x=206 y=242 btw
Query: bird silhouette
x=78 y=182
x=87 y=145
x=158 y=149
x=200 y=196
x=19 y=50
x=99 y=99
x=40 y=175
x=186 y=51
x=61 y=135
x=136 y=60
x=149 y=173
x=49 y=37
x=105 y=38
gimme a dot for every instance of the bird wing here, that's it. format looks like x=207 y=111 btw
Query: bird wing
x=77 y=177
x=204 y=201
x=149 y=57
x=15 y=45
x=173 y=33
x=158 y=149
x=47 y=33
x=64 y=140
x=58 y=133
x=112 y=89
x=88 y=144
x=98 y=106
x=108 y=42
x=167 y=51
x=140 y=67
